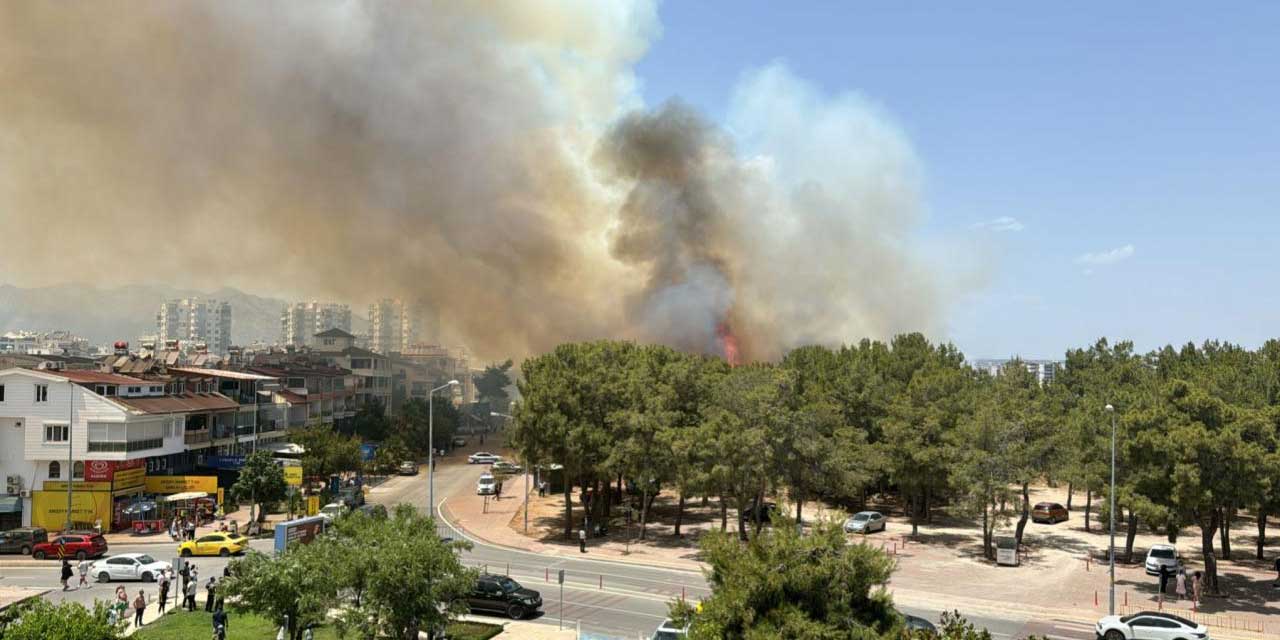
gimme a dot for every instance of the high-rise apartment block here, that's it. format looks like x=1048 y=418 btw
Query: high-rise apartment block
x=391 y=327
x=301 y=321
x=196 y=321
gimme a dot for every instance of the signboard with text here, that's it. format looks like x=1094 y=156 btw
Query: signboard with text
x=49 y=508
x=129 y=478
x=182 y=484
x=300 y=531
x=293 y=475
x=224 y=462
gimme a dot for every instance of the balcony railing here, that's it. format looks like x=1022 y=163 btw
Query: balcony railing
x=132 y=445
x=196 y=437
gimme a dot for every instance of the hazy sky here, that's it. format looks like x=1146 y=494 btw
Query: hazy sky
x=1121 y=164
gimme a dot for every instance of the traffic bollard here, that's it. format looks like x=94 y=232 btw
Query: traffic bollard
x=546 y=574
x=1126 y=598
x=682 y=593
x=602 y=582
x=508 y=574
x=1095 y=598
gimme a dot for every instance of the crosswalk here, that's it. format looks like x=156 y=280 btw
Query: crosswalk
x=1069 y=630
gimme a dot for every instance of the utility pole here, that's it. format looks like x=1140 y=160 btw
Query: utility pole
x=1112 y=510
x=71 y=420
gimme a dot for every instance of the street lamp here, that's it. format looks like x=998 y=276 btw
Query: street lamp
x=1112 y=410
x=71 y=469
x=431 y=446
x=495 y=414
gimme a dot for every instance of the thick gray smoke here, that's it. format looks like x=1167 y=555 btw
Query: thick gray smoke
x=476 y=158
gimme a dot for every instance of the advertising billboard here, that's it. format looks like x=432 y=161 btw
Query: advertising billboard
x=300 y=531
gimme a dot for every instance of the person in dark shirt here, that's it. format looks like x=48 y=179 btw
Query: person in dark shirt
x=220 y=620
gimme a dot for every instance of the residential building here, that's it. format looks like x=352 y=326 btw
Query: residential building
x=391 y=327
x=261 y=415
x=196 y=321
x=315 y=391
x=101 y=431
x=442 y=364
x=371 y=371
x=301 y=321
x=1045 y=371
x=54 y=343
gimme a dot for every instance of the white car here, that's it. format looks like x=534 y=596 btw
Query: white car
x=483 y=457
x=331 y=511
x=486 y=486
x=1150 y=625
x=864 y=522
x=1161 y=554
x=669 y=631
x=128 y=566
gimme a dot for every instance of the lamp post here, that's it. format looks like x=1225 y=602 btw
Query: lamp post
x=1112 y=510
x=495 y=414
x=71 y=470
x=431 y=446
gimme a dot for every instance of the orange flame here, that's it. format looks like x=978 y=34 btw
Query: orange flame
x=728 y=343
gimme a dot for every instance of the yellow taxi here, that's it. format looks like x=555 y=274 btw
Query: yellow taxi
x=214 y=544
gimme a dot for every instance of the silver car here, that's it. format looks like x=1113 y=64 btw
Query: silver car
x=864 y=522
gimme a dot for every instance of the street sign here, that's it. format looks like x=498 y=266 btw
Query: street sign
x=561 y=576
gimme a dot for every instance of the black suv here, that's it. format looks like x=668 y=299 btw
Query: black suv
x=766 y=509
x=501 y=594
x=22 y=540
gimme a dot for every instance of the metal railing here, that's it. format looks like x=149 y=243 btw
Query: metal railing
x=132 y=445
x=196 y=437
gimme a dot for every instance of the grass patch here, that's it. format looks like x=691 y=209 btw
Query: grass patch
x=198 y=625
x=185 y=625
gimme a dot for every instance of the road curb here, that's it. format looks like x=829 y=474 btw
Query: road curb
x=476 y=538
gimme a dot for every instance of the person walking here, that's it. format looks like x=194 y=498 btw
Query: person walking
x=1195 y=589
x=164 y=590
x=208 y=597
x=190 y=601
x=195 y=574
x=84 y=573
x=139 y=605
x=1182 y=582
x=220 y=622
x=191 y=529
x=1164 y=577
x=185 y=574
x=582 y=539
x=66 y=573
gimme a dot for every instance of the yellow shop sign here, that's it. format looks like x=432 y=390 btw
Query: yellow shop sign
x=182 y=484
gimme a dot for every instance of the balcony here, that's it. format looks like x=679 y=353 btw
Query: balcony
x=197 y=437
x=132 y=445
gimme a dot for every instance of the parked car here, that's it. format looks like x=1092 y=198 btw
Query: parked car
x=71 y=545
x=766 y=509
x=214 y=544
x=22 y=540
x=501 y=594
x=865 y=522
x=916 y=623
x=502 y=466
x=352 y=496
x=459 y=441
x=487 y=485
x=1049 y=513
x=1161 y=554
x=1150 y=625
x=331 y=511
x=128 y=566
x=669 y=631
x=408 y=468
x=483 y=457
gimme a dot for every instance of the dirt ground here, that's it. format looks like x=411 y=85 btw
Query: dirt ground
x=1062 y=565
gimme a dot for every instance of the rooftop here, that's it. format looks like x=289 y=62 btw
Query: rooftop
x=181 y=403
x=219 y=373
x=334 y=333
x=95 y=377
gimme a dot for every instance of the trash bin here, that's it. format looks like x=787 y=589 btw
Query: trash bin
x=1006 y=552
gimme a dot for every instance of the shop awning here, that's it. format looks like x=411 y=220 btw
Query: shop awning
x=10 y=504
x=190 y=495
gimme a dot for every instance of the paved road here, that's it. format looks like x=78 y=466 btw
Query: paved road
x=47 y=575
x=633 y=599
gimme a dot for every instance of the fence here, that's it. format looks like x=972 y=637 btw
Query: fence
x=1209 y=620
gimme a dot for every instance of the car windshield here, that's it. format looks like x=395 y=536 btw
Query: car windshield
x=666 y=634
x=146 y=559
x=1043 y=506
x=862 y=517
x=1167 y=554
x=508 y=585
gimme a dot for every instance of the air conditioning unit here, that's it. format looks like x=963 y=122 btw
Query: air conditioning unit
x=26 y=493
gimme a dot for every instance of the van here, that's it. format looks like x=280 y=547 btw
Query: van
x=22 y=540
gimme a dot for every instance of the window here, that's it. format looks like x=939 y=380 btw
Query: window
x=55 y=470
x=56 y=432
x=155 y=389
x=42 y=393
x=328 y=342
x=77 y=471
x=135 y=389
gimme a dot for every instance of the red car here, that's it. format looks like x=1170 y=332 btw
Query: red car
x=71 y=545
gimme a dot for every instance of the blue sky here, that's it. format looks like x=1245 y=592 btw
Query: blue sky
x=1136 y=146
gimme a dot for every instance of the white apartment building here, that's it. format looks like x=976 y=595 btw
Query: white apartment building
x=1045 y=371
x=371 y=371
x=301 y=321
x=92 y=428
x=196 y=321
x=391 y=327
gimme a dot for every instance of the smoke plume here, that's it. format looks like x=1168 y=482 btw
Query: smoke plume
x=491 y=162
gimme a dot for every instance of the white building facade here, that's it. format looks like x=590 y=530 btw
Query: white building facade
x=196 y=321
x=301 y=321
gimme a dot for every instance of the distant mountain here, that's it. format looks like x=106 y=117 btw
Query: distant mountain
x=124 y=313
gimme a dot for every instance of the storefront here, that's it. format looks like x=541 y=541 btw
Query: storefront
x=10 y=512
x=90 y=505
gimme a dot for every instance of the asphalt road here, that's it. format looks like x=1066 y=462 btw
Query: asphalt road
x=623 y=600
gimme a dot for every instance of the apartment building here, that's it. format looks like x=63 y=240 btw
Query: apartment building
x=371 y=371
x=391 y=327
x=63 y=343
x=261 y=414
x=1045 y=371
x=102 y=432
x=441 y=364
x=317 y=392
x=196 y=321
x=301 y=321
